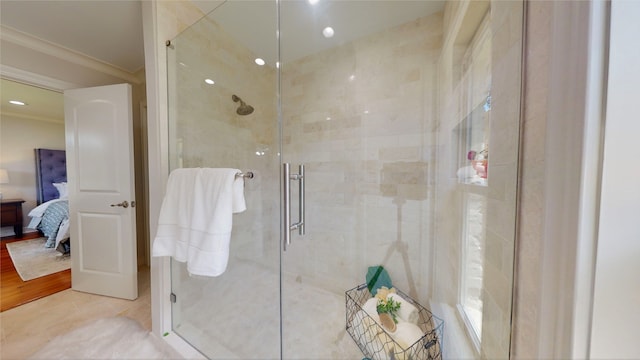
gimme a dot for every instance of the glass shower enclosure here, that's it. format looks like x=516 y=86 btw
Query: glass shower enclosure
x=367 y=126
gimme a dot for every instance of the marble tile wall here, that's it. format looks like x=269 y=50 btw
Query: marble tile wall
x=209 y=133
x=506 y=56
x=359 y=117
x=528 y=282
x=370 y=145
x=206 y=131
x=505 y=25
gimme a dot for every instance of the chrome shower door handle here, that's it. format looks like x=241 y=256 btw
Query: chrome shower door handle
x=286 y=206
x=287 y=227
x=301 y=199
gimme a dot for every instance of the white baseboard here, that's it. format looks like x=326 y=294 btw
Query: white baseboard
x=8 y=231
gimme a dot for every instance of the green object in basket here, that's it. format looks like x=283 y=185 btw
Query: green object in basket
x=377 y=277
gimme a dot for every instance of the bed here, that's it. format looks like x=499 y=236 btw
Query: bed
x=51 y=216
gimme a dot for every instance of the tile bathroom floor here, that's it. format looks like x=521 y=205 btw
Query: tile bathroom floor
x=27 y=328
x=237 y=316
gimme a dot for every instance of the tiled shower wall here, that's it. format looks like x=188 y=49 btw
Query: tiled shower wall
x=506 y=61
x=357 y=164
x=206 y=131
x=500 y=193
x=360 y=117
x=531 y=232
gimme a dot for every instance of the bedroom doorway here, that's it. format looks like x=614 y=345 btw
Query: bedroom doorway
x=56 y=86
x=28 y=272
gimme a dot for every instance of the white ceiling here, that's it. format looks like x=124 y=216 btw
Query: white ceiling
x=110 y=31
x=107 y=31
x=254 y=23
x=43 y=105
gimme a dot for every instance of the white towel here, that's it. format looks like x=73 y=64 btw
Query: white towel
x=407 y=334
x=371 y=308
x=407 y=311
x=197 y=216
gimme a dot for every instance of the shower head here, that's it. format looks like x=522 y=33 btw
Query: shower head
x=243 y=109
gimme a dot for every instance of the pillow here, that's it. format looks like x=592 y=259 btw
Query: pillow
x=63 y=193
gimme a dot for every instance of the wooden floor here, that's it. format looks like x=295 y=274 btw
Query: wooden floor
x=14 y=291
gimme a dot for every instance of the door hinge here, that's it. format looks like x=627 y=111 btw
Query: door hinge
x=173 y=298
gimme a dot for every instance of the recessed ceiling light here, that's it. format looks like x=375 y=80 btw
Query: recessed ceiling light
x=209 y=81
x=16 y=102
x=328 y=32
x=352 y=77
x=313 y=2
x=260 y=61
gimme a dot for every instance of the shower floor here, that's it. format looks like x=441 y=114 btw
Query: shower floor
x=237 y=316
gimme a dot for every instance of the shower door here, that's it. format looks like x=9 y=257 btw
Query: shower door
x=358 y=86
x=223 y=114
x=384 y=103
x=372 y=99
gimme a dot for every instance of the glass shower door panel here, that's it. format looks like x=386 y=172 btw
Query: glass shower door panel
x=319 y=266
x=357 y=111
x=223 y=114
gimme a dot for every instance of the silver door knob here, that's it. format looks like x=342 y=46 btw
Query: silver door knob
x=124 y=204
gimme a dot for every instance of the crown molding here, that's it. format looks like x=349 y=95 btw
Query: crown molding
x=41 y=81
x=34 y=43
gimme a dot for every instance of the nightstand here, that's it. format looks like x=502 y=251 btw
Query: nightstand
x=12 y=214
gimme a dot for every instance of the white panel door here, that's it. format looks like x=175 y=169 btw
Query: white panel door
x=99 y=136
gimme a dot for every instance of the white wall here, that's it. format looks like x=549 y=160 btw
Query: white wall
x=18 y=138
x=616 y=302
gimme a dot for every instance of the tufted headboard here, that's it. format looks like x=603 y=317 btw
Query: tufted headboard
x=51 y=167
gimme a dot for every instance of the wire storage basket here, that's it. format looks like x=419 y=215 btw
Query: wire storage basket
x=377 y=344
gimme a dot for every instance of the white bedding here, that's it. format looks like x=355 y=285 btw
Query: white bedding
x=39 y=210
x=63 y=233
x=36 y=217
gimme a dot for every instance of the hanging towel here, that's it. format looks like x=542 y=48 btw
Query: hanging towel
x=197 y=216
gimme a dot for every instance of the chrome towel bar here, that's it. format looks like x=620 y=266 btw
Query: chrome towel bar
x=246 y=175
